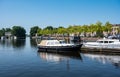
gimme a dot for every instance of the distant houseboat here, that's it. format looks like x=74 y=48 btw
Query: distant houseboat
x=57 y=46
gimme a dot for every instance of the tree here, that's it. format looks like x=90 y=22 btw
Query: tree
x=108 y=26
x=49 y=28
x=55 y=30
x=1 y=33
x=7 y=30
x=34 y=30
x=60 y=27
x=74 y=29
x=39 y=31
x=18 y=31
x=99 y=30
x=62 y=30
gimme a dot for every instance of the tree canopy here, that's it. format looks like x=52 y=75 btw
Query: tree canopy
x=18 y=31
x=98 y=27
x=34 y=30
x=49 y=28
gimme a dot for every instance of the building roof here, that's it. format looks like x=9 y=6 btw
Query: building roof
x=115 y=24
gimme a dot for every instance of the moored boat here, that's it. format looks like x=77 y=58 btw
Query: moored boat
x=57 y=46
x=104 y=43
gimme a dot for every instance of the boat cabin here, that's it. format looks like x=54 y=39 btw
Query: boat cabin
x=49 y=43
x=108 y=41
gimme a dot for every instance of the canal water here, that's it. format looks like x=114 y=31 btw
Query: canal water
x=20 y=58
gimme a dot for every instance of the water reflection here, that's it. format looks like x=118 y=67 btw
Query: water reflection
x=17 y=43
x=58 y=57
x=6 y=42
x=33 y=42
x=113 y=59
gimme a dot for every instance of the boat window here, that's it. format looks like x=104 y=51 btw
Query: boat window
x=52 y=43
x=110 y=41
x=48 y=43
x=62 y=42
x=100 y=41
x=56 y=42
x=105 y=41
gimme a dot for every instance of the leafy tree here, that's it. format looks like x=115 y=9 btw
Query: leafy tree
x=34 y=30
x=7 y=30
x=104 y=28
x=62 y=30
x=60 y=27
x=55 y=30
x=99 y=30
x=108 y=26
x=92 y=28
x=18 y=31
x=39 y=31
x=1 y=33
x=49 y=28
x=74 y=29
x=85 y=28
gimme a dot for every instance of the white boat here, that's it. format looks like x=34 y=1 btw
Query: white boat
x=104 y=43
x=56 y=45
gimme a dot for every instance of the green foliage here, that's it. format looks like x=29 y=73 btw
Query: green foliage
x=48 y=28
x=98 y=27
x=1 y=33
x=108 y=26
x=62 y=30
x=74 y=29
x=34 y=30
x=18 y=31
x=54 y=30
x=39 y=32
x=7 y=30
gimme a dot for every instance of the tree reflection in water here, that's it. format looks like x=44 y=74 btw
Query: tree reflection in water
x=16 y=43
x=33 y=42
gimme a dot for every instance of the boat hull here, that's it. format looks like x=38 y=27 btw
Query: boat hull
x=60 y=48
x=107 y=46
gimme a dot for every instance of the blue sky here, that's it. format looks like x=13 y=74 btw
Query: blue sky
x=28 y=13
